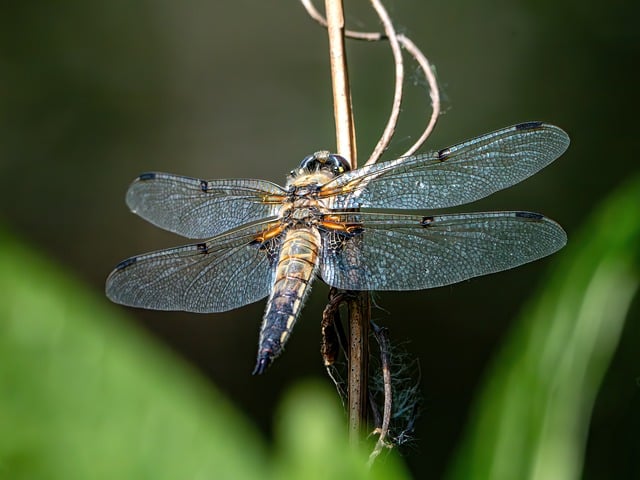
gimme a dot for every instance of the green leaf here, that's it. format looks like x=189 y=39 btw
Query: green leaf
x=313 y=441
x=532 y=419
x=84 y=395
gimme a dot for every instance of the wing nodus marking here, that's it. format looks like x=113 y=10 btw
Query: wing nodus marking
x=202 y=248
x=204 y=186
x=427 y=221
x=444 y=154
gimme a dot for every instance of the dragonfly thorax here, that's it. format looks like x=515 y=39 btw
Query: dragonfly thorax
x=302 y=209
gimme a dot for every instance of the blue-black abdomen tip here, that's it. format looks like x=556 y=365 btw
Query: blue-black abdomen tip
x=261 y=365
x=147 y=176
x=528 y=125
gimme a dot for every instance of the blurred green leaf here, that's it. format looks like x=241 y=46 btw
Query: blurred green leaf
x=532 y=419
x=83 y=395
x=313 y=441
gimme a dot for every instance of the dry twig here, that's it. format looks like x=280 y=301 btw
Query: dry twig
x=383 y=429
x=417 y=55
x=359 y=310
x=359 y=305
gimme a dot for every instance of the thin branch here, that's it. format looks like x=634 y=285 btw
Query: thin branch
x=390 y=129
x=343 y=113
x=359 y=304
x=359 y=311
x=415 y=52
x=434 y=91
x=334 y=339
x=383 y=430
x=359 y=308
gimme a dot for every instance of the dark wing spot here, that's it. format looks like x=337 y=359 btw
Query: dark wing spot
x=443 y=154
x=204 y=185
x=202 y=248
x=531 y=215
x=126 y=263
x=147 y=176
x=528 y=125
x=426 y=221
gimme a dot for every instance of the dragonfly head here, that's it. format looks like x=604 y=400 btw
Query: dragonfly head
x=322 y=161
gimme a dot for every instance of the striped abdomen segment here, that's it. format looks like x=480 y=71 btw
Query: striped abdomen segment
x=297 y=265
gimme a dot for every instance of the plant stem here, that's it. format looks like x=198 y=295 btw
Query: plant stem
x=358 y=306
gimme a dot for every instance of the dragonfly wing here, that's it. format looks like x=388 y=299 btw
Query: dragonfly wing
x=223 y=273
x=452 y=176
x=197 y=208
x=406 y=252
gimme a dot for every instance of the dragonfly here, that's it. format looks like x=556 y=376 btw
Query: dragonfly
x=258 y=239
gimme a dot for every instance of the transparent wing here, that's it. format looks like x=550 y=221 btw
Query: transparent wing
x=223 y=273
x=452 y=176
x=197 y=208
x=406 y=252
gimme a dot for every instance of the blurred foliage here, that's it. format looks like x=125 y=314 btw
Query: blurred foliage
x=532 y=420
x=92 y=93
x=84 y=395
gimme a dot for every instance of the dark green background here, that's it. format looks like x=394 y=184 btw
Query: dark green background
x=93 y=93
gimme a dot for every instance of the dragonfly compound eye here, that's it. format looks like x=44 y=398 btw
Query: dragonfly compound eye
x=308 y=161
x=338 y=163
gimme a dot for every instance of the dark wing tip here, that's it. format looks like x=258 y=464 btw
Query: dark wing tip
x=561 y=138
x=529 y=125
x=146 y=176
x=530 y=215
x=125 y=263
x=559 y=235
x=111 y=285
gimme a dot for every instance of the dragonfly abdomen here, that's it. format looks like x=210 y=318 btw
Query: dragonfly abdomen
x=296 y=268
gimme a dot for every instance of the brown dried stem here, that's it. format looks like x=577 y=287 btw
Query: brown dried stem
x=343 y=113
x=419 y=57
x=359 y=304
x=334 y=340
x=390 y=128
x=359 y=311
x=383 y=430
